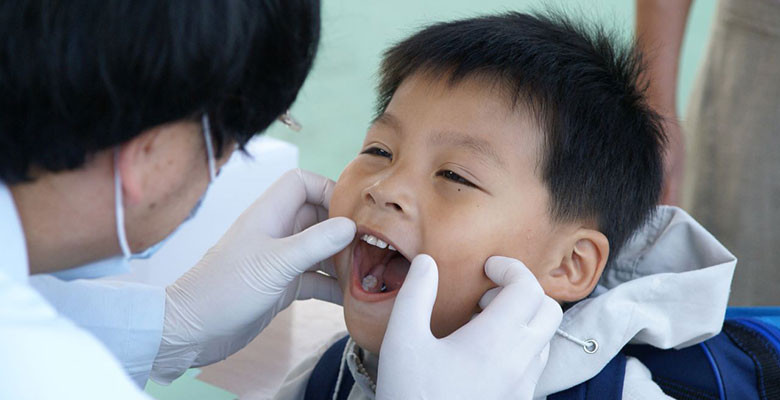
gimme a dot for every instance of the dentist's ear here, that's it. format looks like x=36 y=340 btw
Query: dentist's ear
x=140 y=159
x=580 y=267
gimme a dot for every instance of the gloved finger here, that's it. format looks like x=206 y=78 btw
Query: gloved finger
x=315 y=285
x=308 y=215
x=488 y=297
x=319 y=189
x=316 y=243
x=505 y=270
x=520 y=287
x=531 y=373
x=305 y=217
x=536 y=338
x=511 y=308
x=325 y=266
x=414 y=302
x=548 y=319
x=278 y=206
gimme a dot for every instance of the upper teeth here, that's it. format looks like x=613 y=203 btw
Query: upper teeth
x=375 y=241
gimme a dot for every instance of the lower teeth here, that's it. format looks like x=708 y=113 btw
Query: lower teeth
x=369 y=282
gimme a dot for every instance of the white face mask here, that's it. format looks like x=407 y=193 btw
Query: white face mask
x=119 y=206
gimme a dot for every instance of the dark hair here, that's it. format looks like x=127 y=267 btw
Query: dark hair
x=81 y=76
x=602 y=152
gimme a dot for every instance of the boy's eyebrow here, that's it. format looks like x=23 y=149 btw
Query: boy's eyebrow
x=390 y=120
x=482 y=148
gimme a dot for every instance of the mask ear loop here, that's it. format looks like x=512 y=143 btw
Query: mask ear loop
x=119 y=208
x=209 y=146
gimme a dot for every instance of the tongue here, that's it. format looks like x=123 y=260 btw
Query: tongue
x=395 y=272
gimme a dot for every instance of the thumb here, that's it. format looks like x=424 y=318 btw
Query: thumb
x=488 y=297
x=518 y=286
x=505 y=271
x=318 y=242
x=414 y=303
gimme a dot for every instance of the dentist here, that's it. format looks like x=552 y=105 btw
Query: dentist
x=115 y=117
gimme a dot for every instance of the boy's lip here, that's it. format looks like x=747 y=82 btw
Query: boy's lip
x=356 y=286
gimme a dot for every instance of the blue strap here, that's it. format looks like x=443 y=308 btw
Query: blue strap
x=607 y=385
x=759 y=343
x=322 y=382
x=687 y=374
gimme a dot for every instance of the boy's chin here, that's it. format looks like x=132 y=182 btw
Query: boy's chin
x=365 y=328
x=368 y=342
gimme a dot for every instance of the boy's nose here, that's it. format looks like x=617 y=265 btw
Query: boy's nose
x=376 y=197
x=387 y=204
x=391 y=194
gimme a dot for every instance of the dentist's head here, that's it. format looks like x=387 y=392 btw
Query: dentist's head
x=98 y=93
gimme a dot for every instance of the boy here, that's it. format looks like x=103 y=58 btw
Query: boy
x=525 y=136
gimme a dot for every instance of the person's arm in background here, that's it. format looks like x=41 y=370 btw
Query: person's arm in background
x=660 y=26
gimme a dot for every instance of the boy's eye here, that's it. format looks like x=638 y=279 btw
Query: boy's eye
x=447 y=174
x=376 y=151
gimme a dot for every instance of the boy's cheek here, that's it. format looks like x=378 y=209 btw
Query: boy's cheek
x=342 y=267
x=457 y=301
x=367 y=323
x=336 y=208
x=447 y=318
x=345 y=193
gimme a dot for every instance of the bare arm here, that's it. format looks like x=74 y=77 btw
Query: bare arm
x=660 y=26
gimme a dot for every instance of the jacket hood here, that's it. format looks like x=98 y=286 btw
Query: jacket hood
x=668 y=288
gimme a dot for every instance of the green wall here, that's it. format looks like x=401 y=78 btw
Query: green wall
x=336 y=102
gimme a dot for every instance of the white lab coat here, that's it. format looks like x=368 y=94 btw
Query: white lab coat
x=126 y=317
x=44 y=355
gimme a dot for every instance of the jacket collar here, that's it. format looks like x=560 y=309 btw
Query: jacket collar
x=668 y=288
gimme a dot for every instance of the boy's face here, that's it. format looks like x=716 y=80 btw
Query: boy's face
x=450 y=171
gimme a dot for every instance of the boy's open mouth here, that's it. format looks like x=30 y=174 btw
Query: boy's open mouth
x=379 y=269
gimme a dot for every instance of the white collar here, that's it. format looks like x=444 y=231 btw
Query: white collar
x=363 y=367
x=14 y=261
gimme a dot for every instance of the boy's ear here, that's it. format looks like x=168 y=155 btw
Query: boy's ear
x=580 y=268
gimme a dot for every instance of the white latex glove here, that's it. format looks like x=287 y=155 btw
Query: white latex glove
x=499 y=354
x=255 y=270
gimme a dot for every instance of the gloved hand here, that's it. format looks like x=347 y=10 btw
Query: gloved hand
x=499 y=354
x=255 y=270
